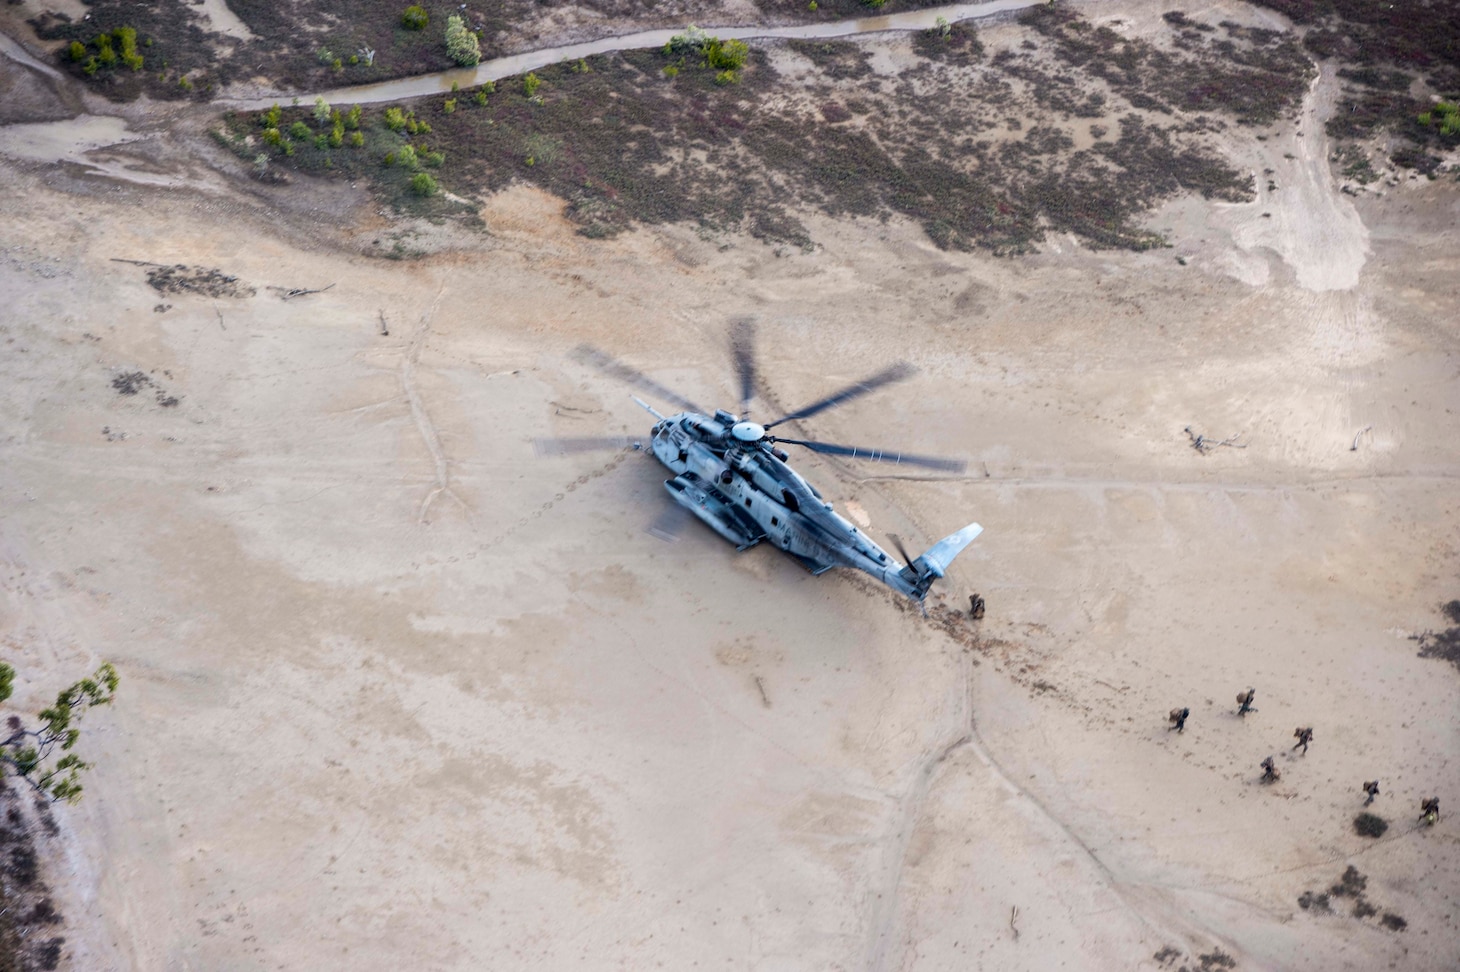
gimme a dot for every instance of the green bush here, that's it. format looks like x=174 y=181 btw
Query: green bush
x=299 y=130
x=107 y=55
x=405 y=157
x=726 y=77
x=272 y=136
x=530 y=84
x=671 y=71
x=423 y=185
x=461 y=43
x=354 y=59
x=435 y=159
x=449 y=105
x=326 y=56
x=126 y=38
x=271 y=117
x=321 y=110
x=77 y=52
x=352 y=118
x=395 y=119
x=725 y=55
x=480 y=97
x=415 y=18
x=357 y=139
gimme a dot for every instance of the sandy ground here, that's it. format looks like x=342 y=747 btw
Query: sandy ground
x=398 y=693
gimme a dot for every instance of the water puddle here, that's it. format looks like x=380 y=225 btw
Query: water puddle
x=224 y=20
x=81 y=141
x=18 y=54
x=504 y=67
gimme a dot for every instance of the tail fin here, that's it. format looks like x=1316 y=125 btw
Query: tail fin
x=934 y=563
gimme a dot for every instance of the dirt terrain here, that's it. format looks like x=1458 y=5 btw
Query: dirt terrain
x=397 y=692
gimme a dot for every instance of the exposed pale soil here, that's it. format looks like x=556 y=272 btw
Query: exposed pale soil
x=396 y=693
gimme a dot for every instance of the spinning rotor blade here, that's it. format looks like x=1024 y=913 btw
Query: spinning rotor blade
x=878 y=455
x=897 y=542
x=669 y=524
x=742 y=348
x=614 y=368
x=857 y=389
x=552 y=446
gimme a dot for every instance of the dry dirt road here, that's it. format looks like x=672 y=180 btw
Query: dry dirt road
x=397 y=692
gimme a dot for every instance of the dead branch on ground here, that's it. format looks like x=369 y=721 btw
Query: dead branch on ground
x=290 y=294
x=1205 y=443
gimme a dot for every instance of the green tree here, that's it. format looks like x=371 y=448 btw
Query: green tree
x=321 y=110
x=42 y=755
x=423 y=185
x=530 y=84
x=415 y=18
x=461 y=43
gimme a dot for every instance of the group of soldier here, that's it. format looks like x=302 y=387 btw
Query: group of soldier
x=1429 y=807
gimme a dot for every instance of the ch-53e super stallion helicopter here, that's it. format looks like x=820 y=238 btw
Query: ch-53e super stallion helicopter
x=730 y=473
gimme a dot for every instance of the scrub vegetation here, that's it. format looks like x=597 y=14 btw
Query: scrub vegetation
x=1400 y=64
x=665 y=135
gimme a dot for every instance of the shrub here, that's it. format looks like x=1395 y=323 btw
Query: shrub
x=352 y=117
x=480 y=97
x=530 y=84
x=395 y=119
x=326 y=56
x=423 y=128
x=354 y=59
x=423 y=185
x=272 y=136
x=490 y=87
x=299 y=130
x=449 y=105
x=337 y=137
x=271 y=117
x=725 y=77
x=321 y=142
x=725 y=55
x=337 y=64
x=461 y=43
x=415 y=18
x=77 y=52
x=126 y=38
x=321 y=110
x=107 y=55
x=405 y=157
x=435 y=159
x=357 y=139
x=1369 y=825
x=671 y=71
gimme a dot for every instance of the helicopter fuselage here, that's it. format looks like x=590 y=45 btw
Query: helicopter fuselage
x=746 y=492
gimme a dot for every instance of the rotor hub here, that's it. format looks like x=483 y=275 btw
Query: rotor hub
x=747 y=431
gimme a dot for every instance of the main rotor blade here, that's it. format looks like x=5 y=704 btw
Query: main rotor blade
x=670 y=523
x=857 y=389
x=879 y=455
x=897 y=542
x=614 y=368
x=742 y=348
x=553 y=446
